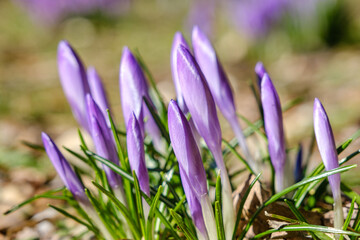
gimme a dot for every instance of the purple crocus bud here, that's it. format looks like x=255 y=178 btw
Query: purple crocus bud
x=74 y=82
x=260 y=71
x=133 y=87
x=180 y=40
x=63 y=168
x=98 y=92
x=199 y=101
x=219 y=85
x=194 y=206
x=103 y=140
x=203 y=111
x=72 y=182
x=274 y=129
x=326 y=144
x=185 y=149
x=136 y=154
x=190 y=164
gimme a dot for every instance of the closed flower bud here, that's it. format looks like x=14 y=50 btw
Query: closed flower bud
x=326 y=144
x=274 y=130
x=98 y=92
x=136 y=154
x=74 y=82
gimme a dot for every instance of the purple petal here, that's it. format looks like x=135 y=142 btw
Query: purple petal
x=273 y=124
x=193 y=202
x=63 y=168
x=103 y=140
x=214 y=73
x=198 y=99
x=136 y=154
x=260 y=71
x=326 y=144
x=178 y=40
x=98 y=92
x=186 y=150
x=133 y=87
x=74 y=82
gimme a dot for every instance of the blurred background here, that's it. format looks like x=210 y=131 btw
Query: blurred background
x=311 y=48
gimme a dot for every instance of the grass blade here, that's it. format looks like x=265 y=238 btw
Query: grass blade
x=219 y=221
x=188 y=234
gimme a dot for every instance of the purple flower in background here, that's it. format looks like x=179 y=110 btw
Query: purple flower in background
x=256 y=17
x=103 y=141
x=98 y=92
x=63 y=168
x=273 y=122
x=136 y=154
x=192 y=171
x=219 y=85
x=202 y=13
x=51 y=12
x=74 y=82
x=326 y=144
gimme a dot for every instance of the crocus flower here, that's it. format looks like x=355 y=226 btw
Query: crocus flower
x=72 y=182
x=64 y=170
x=326 y=144
x=136 y=154
x=98 y=92
x=274 y=130
x=219 y=86
x=74 y=82
x=191 y=167
x=133 y=88
x=203 y=111
x=180 y=40
x=104 y=143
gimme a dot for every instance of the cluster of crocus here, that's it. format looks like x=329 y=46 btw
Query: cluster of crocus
x=201 y=85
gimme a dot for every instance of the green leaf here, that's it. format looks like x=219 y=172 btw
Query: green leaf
x=349 y=192
x=157 y=120
x=33 y=146
x=301 y=193
x=122 y=208
x=219 y=221
x=232 y=149
x=253 y=127
x=118 y=144
x=48 y=194
x=308 y=228
x=348 y=218
x=188 y=234
x=150 y=220
x=124 y=174
x=218 y=189
x=68 y=215
x=277 y=196
x=140 y=209
x=299 y=216
x=343 y=146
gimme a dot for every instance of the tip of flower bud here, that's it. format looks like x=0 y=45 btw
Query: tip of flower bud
x=67 y=53
x=260 y=69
